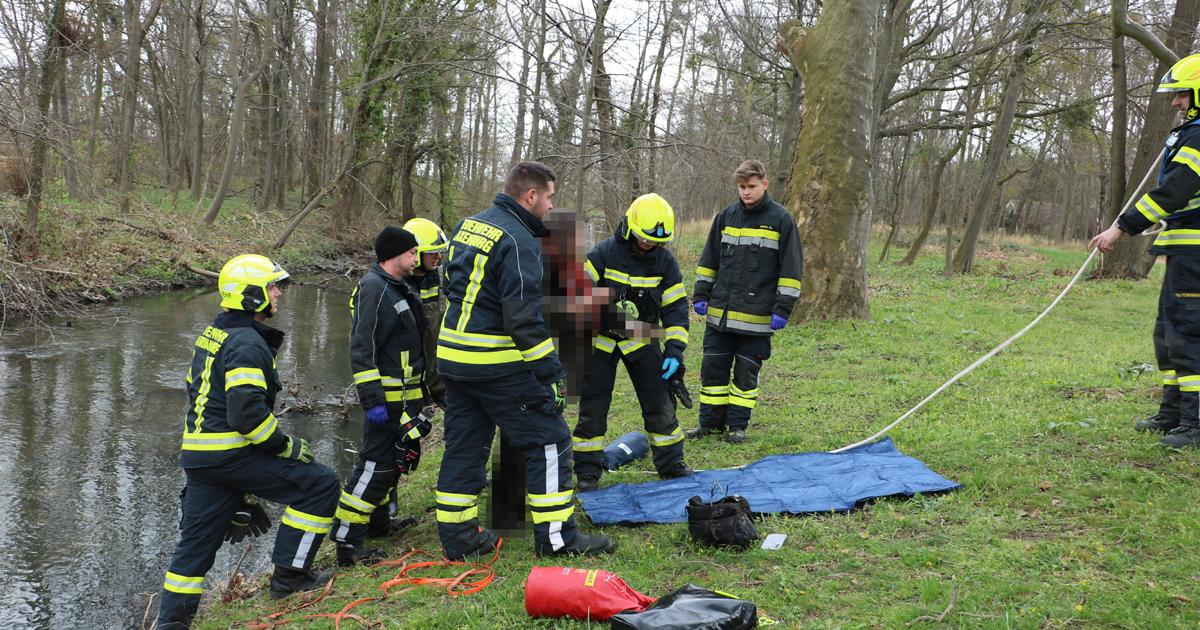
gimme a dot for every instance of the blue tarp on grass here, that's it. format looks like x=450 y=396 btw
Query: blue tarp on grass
x=795 y=484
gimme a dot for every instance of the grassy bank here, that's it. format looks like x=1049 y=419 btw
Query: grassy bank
x=91 y=252
x=1067 y=517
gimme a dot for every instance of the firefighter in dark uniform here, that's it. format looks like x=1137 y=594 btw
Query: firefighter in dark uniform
x=387 y=359
x=1175 y=201
x=647 y=289
x=233 y=448
x=427 y=282
x=747 y=282
x=501 y=370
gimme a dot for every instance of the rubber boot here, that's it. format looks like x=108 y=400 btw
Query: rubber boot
x=679 y=469
x=286 y=580
x=349 y=555
x=1183 y=437
x=176 y=613
x=587 y=482
x=466 y=540
x=1167 y=417
x=736 y=436
x=701 y=431
x=390 y=527
x=583 y=545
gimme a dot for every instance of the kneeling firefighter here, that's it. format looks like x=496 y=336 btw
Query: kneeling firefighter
x=233 y=448
x=648 y=290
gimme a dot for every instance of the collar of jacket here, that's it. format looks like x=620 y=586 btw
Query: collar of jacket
x=242 y=319
x=378 y=270
x=531 y=223
x=762 y=204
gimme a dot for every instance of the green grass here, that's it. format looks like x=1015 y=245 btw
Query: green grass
x=1067 y=517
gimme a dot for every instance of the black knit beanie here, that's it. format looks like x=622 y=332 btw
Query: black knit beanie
x=392 y=242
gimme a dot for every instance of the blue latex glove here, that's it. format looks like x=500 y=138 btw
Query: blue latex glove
x=670 y=364
x=700 y=307
x=777 y=322
x=377 y=415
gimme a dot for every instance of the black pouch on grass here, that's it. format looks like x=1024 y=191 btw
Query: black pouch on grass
x=721 y=523
x=691 y=607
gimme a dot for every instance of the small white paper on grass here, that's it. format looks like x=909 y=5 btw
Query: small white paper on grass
x=774 y=541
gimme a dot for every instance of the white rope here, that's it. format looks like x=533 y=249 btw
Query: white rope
x=1007 y=342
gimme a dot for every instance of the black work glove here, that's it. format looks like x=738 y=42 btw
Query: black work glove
x=408 y=456
x=419 y=427
x=679 y=392
x=250 y=519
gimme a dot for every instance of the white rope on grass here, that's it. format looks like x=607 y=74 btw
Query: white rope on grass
x=1007 y=342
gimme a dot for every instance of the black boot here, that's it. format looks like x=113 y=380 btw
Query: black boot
x=587 y=482
x=1156 y=424
x=391 y=527
x=736 y=436
x=1183 y=437
x=286 y=580
x=466 y=540
x=701 y=431
x=583 y=545
x=349 y=555
x=676 y=470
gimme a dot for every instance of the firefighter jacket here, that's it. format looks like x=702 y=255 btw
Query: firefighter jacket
x=647 y=286
x=232 y=383
x=750 y=267
x=1176 y=200
x=429 y=286
x=493 y=324
x=386 y=354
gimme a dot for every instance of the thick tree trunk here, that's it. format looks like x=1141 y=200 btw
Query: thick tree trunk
x=197 y=116
x=1001 y=133
x=831 y=178
x=55 y=42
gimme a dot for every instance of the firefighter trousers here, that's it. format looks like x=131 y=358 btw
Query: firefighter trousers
x=644 y=366
x=209 y=500
x=374 y=477
x=725 y=402
x=524 y=409
x=1177 y=340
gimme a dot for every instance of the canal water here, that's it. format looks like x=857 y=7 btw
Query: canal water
x=91 y=412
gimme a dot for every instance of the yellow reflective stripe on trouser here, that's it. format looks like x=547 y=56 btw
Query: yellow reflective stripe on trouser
x=1189 y=157
x=660 y=440
x=1167 y=238
x=223 y=441
x=352 y=509
x=452 y=502
x=587 y=445
x=307 y=522
x=544 y=506
x=1169 y=378
x=714 y=394
x=604 y=344
x=538 y=351
x=1189 y=383
x=264 y=430
x=673 y=294
x=366 y=376
x=183 y=584
x=245 y=376
x=478 y=357
x=742 y=398
x=676 y=333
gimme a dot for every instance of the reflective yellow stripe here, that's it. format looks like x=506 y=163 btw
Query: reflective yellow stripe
x=481 y=357
x=673 y=294
x=1168 y=377
x=183 y=584
x=629 y=346
x=365 y=376
x=789 y=282
x=350 y=516
x=751 y=232
x=704 y=273
x=587 y=445
x=714 y=395
x=474 y=280
x=408 y=382
x=400 y=395
x=660 y=440
x=478 y=340
x=676 y=333
x=633 y=281
x=538 y=351
x=591 y=271
x=444 y=516
x=549 y=500
x=264 y=430
x=553 y=516
x=244 y=376
x=188 y=378
x=450 y=498
x=1189 y=383
x=306 y=522
x=1167 y=238
x=740 y=321
x=605 y=344
x=1190 y=157
x=1150 y=209
x=202 y=393
x=742 y=398
x=351 y=501
x=225 y=441
x=427 y=294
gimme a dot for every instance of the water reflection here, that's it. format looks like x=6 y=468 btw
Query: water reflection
x=90 y=416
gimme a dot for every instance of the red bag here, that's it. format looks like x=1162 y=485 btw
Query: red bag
x=580 y=594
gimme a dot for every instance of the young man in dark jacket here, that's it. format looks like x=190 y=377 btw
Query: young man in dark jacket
x=388 y=361
x=647 y=290
x=233 y=450
x=747 y=282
